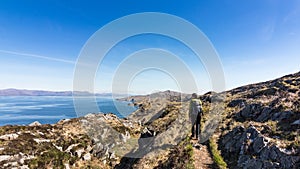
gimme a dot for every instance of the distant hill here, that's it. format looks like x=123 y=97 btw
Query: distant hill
x=24 y=92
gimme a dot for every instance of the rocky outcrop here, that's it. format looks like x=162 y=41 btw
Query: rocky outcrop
x=259 y=113
x=68 y=143
x=260 y=128
x=248 y=148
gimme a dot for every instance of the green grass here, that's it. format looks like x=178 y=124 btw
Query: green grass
x=190 y=153
x=189 y=149
x=52 y=157
x=181 y=156
x=218 y=159
x=273 y=126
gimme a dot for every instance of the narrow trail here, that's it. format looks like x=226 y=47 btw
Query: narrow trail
x=202 y=158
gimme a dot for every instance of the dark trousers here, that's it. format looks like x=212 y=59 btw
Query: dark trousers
x=197 y=125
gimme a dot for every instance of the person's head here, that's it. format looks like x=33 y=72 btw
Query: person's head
x=194 y=96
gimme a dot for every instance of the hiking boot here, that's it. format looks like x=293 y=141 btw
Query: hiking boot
x=197 y=146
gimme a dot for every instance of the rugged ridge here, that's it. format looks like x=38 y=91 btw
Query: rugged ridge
x=261 y=125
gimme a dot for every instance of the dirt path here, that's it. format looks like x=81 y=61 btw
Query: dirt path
x=202 y=158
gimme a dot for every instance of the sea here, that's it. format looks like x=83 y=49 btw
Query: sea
x=23 y=110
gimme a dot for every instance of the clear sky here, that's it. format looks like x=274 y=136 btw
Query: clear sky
x=257 y=40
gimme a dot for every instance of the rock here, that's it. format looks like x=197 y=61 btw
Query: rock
x=252 y=163
x=259 y=143
x=274 y=153
x=124 y=137
x=279 y=116
x=112 y=156
x=89 y=148
x=24 y=167
x=268 y=91
x=70 y=147
x=265 y=115
x=253 y=132
x=41 y=140
x=79 y=152
x=243 y=159
x=147 y=133
x=128 y=124
x=217 y=98
x=280 y=85
x=270 y=153
x=90 y=115
x=9 y=136
x=67 y=166
x=289 y=161
x=297 y=122
x=35 y=123
x=87 y=157
x=58 y=147
x=237 y=102
x=4 y=157
x=268 y=164
x=252 y=150
x=110 y=116
x=249 y=112
x=265 y=154
x=100 y=150
x=63 y=120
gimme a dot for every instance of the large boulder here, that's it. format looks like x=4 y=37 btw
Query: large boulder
x=249 y=112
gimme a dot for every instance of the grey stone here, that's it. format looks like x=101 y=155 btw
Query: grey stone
x=275 y=152
x=246 y=112
x=249 y=112
x=87 y=157
x=279 y=116
x=289 y=161
x=259 y=143
x=297 y=122
x=243 y=159
x=253 y=132
x=265 y=154
x=253 y=163
x=268 y=165
x=237 y=102
x=265 y=115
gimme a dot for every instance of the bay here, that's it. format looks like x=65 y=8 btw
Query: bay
x=23 y=110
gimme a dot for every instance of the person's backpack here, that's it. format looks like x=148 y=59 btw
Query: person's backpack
x=197 y=104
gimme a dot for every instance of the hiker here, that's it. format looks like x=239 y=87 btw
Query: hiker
x=195 y=115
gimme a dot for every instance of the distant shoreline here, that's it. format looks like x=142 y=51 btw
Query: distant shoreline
x=25 y=92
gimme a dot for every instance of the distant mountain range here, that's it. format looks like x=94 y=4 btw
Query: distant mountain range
x=24 y=92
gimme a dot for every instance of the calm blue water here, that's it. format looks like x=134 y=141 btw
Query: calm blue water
x=23 y=110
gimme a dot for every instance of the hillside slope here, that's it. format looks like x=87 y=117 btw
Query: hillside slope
x=261 y=125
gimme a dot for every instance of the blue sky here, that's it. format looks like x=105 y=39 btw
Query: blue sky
x=256 y=40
